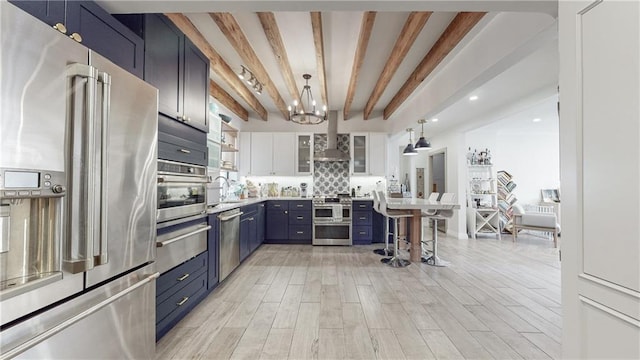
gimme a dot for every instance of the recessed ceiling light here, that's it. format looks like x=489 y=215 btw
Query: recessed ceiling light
x=434 y=120
x=473 y=97
x=536 y=120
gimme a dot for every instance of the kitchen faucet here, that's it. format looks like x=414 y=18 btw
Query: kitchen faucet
x=223 y=194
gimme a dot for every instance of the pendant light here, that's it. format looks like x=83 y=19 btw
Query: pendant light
x=305 y=112
x=422 y=143
x=409 y=150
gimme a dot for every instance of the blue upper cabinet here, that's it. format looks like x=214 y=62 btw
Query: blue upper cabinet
x=179 y=70
x=88 y=23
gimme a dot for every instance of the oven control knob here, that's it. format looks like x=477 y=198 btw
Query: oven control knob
x=191 y=170
x=58 y=189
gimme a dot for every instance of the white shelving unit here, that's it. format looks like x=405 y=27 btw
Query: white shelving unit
x=482 y=201
x=229 y=148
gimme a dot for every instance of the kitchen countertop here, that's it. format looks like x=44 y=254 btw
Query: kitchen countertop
x=224 y=206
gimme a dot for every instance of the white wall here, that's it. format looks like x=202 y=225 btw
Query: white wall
x=530 y=151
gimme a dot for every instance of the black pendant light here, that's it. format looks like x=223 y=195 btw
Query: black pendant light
x=422 y=143
x=409 y=150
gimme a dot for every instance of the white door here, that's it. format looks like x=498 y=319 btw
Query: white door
x=600 y=157
x=261 y=153
x=284 y=148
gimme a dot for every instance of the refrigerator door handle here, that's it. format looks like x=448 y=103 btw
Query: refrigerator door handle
x=65 y=324
x=79 y=252
x=103 y=254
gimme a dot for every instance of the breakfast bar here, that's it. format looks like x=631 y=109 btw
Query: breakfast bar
x=417 y=206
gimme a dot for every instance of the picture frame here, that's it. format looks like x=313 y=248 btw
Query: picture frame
x=550 y=195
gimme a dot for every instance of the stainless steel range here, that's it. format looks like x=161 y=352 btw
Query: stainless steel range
x=332 y=220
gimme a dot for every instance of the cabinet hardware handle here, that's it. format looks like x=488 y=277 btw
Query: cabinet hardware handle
x=60 y=27
x=363 y=232
x=185 y=151
x=286 y=212
x=363 y=205
x=184 y=300
x=299 y=205
x=363 y=218
x=250 y=219
x=299 y=232
x=183 y=277
x=76 y=37
x=300 y=217
x=276 y=205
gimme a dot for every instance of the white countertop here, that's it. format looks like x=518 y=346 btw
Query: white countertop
x=224 y=206
x=419 y=204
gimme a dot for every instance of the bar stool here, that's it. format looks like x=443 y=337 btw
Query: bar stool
x=376 y=206
x=433 y=197
x=394 y=261
x=436 y=215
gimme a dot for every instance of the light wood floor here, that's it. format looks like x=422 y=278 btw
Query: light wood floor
x=497 y=300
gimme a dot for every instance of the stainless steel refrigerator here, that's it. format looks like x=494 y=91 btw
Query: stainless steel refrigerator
x=78 y=149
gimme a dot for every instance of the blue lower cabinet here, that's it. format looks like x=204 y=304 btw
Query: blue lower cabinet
x=277 y=221
x=361 y=235
x=260 y=226
x=178 y=291
x=377 y=228
x=299 y=234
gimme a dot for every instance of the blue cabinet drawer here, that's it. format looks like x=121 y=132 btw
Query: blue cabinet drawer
x=299 y=217
x=361 y=233
x=181 y=275
x=174 y=308
x=300 y=205
x=277 y=205
x=364 y=205
x=362 y=218
x=300 y=232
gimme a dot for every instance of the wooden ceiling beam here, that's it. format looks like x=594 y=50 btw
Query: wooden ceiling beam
x=227 y=100
x=271 y=31
x=218 y=65
x=232 y=31
x=452 y=35
x=318 y=40
x=366 y=26
x=410 y=31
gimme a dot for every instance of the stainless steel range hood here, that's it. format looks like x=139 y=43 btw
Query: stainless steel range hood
x=331 y=153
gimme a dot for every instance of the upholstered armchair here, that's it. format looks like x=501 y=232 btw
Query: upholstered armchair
x=534 y=220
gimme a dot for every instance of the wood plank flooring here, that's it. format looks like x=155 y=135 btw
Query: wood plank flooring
x=498 y=300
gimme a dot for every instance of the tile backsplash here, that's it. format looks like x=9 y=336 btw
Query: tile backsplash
x=331 y=177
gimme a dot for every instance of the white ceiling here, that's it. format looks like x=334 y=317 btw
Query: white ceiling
x=506 y=68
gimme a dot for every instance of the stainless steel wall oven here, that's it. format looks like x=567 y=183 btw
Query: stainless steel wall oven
x=182 y=190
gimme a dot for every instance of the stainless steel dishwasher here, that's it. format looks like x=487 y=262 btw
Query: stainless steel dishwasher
x=229 y=241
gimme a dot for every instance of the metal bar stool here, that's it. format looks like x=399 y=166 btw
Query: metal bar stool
x=394 y=261
x=436 y=215
x=376 y=206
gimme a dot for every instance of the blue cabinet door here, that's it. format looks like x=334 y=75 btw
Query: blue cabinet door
x=260 y=226
x=49 y=12
x=196 y=87
x=213 y=248
x=98 y=30
x=105 y=35
x=277 y=225
x=163 y=57
x=245 y=235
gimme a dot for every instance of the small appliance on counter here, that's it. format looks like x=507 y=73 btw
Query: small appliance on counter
x=303 y=190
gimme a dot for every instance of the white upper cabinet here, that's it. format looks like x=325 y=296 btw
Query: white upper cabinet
x=272 y=154
x=368 y=154
x=284 y=145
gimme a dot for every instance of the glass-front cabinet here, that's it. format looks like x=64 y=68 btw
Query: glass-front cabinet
x=304 y=154
x=359 y=154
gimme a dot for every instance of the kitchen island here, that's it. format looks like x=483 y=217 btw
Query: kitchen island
x=417 y=206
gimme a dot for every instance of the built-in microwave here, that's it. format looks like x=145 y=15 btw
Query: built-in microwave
x=182 y=190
